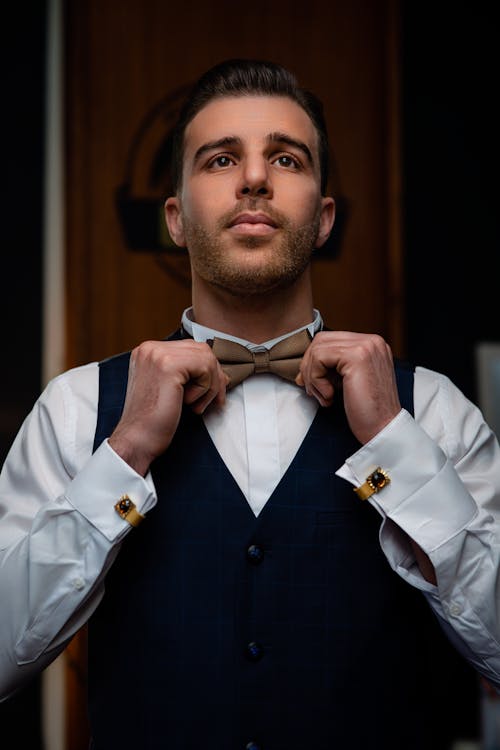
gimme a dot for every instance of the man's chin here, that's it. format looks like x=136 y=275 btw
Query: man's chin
x=253 y=284
x=252 y=241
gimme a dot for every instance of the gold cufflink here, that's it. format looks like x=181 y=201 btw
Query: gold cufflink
x=377 y=480
x=127 y=510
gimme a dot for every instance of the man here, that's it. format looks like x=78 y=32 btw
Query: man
x=249 y=602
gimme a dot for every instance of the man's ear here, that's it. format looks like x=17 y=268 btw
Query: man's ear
x=173 y=217
x=326 y=221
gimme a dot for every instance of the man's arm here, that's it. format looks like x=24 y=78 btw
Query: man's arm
x=445 y=497
x=441 y=509
x=59 y=530
x=57 y=536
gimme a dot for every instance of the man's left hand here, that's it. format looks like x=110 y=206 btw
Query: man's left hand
x=362 y=365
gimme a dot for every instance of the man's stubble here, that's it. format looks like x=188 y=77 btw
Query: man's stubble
x=231 y=264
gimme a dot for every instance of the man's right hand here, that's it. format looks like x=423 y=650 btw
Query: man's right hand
x=164 y=375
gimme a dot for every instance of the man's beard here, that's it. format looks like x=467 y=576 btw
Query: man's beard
x=287 y=256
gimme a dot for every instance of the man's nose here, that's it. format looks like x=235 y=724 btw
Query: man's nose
x=255 y=178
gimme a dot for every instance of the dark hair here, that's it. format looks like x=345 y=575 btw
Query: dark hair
x=240 y=77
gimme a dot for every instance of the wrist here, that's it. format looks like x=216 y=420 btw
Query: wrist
x=138 y=459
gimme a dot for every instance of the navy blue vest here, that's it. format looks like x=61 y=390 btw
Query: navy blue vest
x=284 y=632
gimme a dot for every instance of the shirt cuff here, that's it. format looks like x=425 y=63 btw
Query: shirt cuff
x=425 y=496
x=101 y=483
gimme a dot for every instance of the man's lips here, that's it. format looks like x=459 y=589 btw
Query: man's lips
x=252 y=223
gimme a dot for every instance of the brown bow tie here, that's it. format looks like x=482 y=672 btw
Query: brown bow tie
x=282 y=359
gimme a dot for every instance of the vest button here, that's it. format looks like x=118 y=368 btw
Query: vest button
x=254 y=651
x=252 y=746
x=255 y=554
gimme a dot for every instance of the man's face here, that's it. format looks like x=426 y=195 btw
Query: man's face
x=250 y=209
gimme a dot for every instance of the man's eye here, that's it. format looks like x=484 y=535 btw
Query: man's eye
x=287 y=161
x=221 y=161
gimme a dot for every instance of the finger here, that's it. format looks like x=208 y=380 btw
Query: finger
x=323 y=395
x=211 y=387
x=199 y=387
x=210 y=397
x=322 y=389
x=317 y=376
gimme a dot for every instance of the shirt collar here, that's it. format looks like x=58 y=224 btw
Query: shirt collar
x=202 y=333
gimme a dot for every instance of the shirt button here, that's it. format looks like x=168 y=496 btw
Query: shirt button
x=254 y=651
x=255 y=554
x=78 y=584
x=455 y=609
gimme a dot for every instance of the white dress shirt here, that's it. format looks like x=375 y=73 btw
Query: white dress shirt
x=59 y=532
x=262 y=424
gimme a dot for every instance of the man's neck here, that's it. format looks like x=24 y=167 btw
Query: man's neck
x=255 y=318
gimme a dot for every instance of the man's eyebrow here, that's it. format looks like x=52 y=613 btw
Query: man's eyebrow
x=284 y=138
x=228 y=140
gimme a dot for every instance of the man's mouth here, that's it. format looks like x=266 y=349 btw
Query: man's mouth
x=252 y=223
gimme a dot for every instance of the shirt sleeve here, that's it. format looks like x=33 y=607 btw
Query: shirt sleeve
x=444 y=493
x=54 y=494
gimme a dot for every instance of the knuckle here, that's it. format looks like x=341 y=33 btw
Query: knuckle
x=370 y=344
x=142 y=350
x=321 y=340
x=206 y=351
x=377 y=340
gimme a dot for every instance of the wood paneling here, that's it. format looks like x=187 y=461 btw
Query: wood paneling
x=123 y=57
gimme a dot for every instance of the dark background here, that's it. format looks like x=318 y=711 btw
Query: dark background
x=450 y=134
x=23 y=99
x=450 y=224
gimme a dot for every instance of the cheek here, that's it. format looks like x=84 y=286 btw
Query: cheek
x=301 y=207
x=204 y=204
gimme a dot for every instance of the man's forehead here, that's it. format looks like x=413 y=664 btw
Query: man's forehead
x=253 y=116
